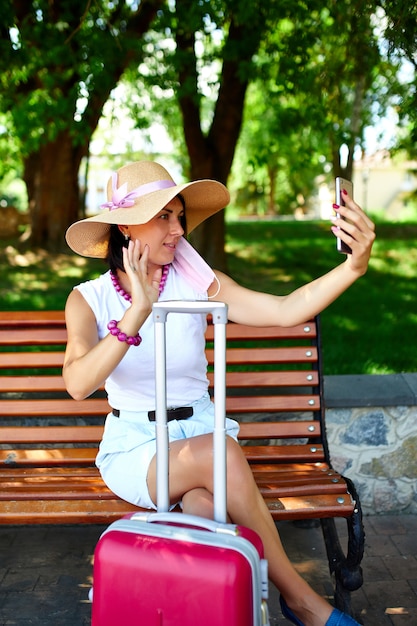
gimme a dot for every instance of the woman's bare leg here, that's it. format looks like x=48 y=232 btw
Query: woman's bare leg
x=198 y=502
x=191 y=473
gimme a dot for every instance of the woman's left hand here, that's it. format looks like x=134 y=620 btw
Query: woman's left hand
x=357 y=230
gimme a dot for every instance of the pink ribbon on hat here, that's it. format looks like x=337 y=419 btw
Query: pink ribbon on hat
x=121 y=199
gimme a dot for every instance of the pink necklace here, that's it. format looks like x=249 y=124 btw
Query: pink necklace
x=127 y=296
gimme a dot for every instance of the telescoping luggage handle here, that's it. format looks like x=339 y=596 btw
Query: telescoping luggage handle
x=218 y=311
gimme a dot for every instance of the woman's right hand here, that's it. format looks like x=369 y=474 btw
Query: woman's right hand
x=136 y=261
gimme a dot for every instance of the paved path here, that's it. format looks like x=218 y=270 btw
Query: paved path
x=45 y=572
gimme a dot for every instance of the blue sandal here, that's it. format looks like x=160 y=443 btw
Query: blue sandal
x=337 y=618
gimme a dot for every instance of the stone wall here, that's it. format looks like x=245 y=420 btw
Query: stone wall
x=372 y=434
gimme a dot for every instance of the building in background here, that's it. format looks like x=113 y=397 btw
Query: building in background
x=382 y=184
x=385 y=185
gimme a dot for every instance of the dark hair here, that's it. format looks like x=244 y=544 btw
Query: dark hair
x=117 y=241
x=183 y=218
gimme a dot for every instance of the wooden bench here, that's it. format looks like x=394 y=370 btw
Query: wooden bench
x=48 y=442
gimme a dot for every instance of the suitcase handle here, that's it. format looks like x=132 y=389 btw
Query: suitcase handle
x=183 y=519
x=218 y=311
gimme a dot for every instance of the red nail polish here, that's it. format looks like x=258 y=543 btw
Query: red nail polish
x=344 y=191
x=336 y=206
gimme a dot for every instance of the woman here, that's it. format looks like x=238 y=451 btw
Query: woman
x=110 y=341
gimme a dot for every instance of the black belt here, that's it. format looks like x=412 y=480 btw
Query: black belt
x=180 y=413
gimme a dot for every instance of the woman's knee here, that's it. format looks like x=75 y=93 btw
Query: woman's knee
x=237 y=465
x=198 y=502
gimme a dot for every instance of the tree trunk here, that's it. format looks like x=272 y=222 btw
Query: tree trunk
x=211 y=156
x=272 y=175
x=209 y=239
x=51 y=177
x=78 y=48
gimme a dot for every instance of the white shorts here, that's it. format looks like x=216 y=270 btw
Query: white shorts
x=129 y=445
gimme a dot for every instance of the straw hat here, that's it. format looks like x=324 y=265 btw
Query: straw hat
x=136 y=193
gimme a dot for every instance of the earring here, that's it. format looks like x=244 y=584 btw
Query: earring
x=126 y=237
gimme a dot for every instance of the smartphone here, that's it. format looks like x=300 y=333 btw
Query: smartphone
x=342 y=183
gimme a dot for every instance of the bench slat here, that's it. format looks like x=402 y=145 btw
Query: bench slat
x=302 y=486
x=298 y=470
x=39 y=473
x=243 y=331
x=277 y=430
x=100 y=406
x=58 y=457
x=54 y=407
x=28 y=360
x=85 y=456
x=271 y=404
x=105 y=511
x=296 y=378
x=234 y=380
x=235 y=356
x=309 y=507
x=13 y=319
x=51 y=434
x=54 y=485
x=26 y=384
x=33 y=337
x=93 y=434
x=68 y=490
x=245 y=356
x=64 y=511
x=285 y=453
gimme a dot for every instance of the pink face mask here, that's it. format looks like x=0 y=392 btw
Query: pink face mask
x=193 y=267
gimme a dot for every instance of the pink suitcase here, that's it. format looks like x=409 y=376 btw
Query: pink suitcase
x=171 y=569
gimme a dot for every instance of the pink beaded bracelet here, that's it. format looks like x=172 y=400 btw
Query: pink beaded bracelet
x=121 y=336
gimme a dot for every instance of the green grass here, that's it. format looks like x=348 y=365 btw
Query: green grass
x=370 y=329
x=37 y=280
